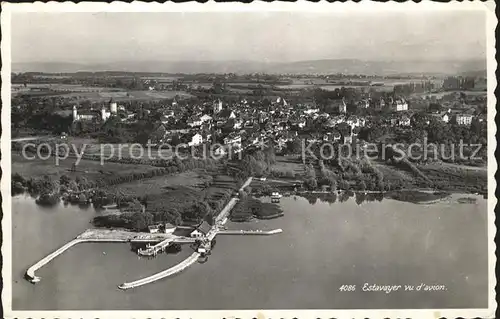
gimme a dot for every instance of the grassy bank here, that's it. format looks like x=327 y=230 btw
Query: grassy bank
x=248 y=208
x=416 y=197
x=90 y=170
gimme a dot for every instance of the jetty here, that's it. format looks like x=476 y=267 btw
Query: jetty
x=166 y=273
x=250 y=232
x=95 y=236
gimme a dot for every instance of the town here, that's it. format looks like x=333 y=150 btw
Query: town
x=247 y=115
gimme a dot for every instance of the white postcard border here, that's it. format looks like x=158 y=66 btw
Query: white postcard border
x=8 y=8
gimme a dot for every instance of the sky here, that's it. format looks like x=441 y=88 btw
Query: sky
x=253 y=36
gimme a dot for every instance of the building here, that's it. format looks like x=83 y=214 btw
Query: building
x=153 y=229
x=195 y=139
x=311 y=111
x=463 y=119
x=347 y=139
x=356 y=131
x=217 y=107
x=219 y=151
x=113 y=107
x=201 y=230
x=82 y=116
x=364 y=104
x=336 y=136
x=355 y=121
x=168 y=228
x=205 y=118
x=233 y=140
x=443 y=117
x=342 y=107
x=105 y=114
x=227 y=114
x=404 y=121
x=281 y=101
x=194 y=121
x=380 y=104
x=401 y=105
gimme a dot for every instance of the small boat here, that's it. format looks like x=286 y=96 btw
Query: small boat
x=104 y=253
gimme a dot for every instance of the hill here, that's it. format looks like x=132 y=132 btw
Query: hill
x=346 y=66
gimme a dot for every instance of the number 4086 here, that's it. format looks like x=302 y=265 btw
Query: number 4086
x=347 y=288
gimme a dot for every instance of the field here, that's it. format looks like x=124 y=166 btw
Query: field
x=457 y=177
x=386 y=85
x=439 y=95
x=221 y=184
x=91 y=146
x=91 y=170
x=391 y=173
x=288 y=164
x=95 y=94
x=163 y=79
x=127 y=96
x=161 y=184
x=127 y=151
x=62 y=88
x=444 y=176
x=181 y=191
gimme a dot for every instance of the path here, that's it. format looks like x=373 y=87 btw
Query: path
x=166 y=273
x=29 y=138
x=30 y=273
x=250 y=232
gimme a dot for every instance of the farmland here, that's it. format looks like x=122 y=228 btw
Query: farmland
x=456 y=177
x=91 y=170
x=78 y=93
x=161 y=184
x=288 y=164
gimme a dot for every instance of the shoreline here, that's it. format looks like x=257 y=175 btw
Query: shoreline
x=415 y=196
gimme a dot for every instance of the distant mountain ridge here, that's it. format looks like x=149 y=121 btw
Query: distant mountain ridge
x=330 y=66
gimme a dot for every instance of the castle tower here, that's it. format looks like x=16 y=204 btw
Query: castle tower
x=342 y=107
x=75 y=113
x=113 y=107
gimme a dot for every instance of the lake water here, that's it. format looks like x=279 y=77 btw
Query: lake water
x=323 y=246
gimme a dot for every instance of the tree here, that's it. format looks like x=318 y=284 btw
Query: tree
x=138 y=222
x=362 y=185
x=311 y=183
x=16 y=177
x=333 y=185
x=135 y=206
x=64 y=180
x=294 y=146
x=344 y=185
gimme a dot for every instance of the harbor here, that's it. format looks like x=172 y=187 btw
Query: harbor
x=201 y=240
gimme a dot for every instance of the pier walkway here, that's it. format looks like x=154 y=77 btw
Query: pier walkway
x=250 y=232
x=94 y=236
x=161 y=246
x=166 y=273
x=30 y=273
